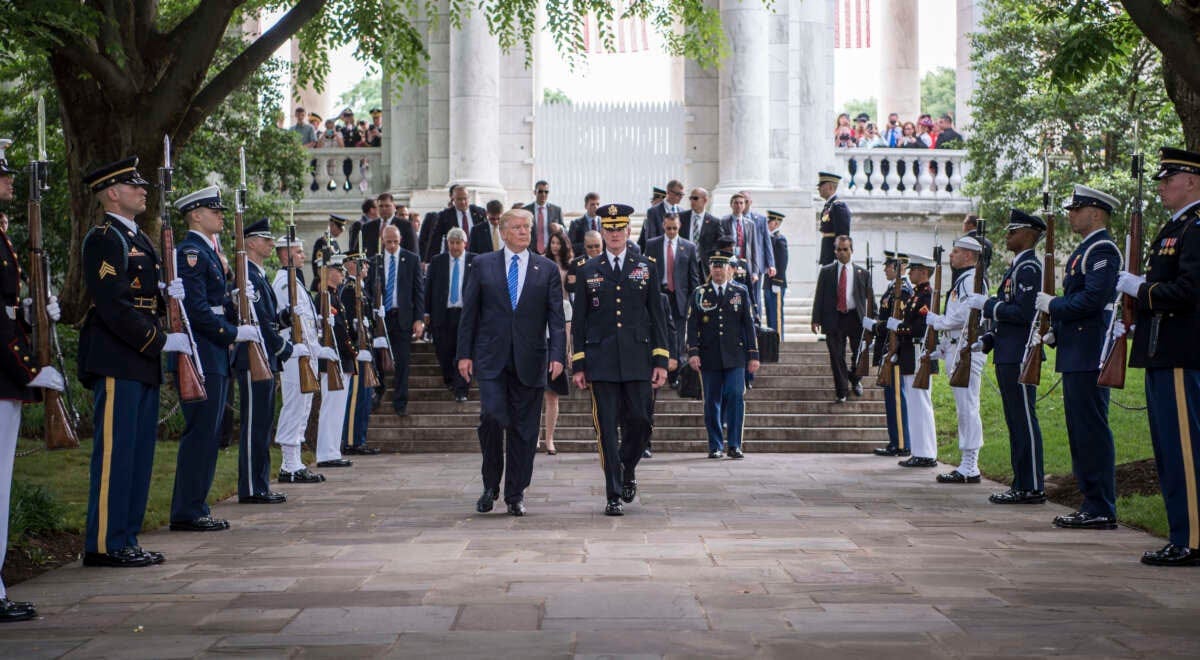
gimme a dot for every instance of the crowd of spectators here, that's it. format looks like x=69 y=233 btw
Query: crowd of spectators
x=926 y=133
x=344 y=131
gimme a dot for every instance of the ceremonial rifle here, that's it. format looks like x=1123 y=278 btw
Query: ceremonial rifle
x=60 y=425
x=308 y=379
x=189 y=378
x=886 y=377
x=366 y=370
x=1116 y=349
x=333 y=372
x=961 y=377
x=387 y=361
x=862 y=368
x=930 y=341
x=1031 y=362
x=260 y=370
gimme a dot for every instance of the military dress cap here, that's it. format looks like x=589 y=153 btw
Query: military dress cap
x=1018 y=219
x=968 y=243
x=121 y=171
x=775 y=215
x=337 y=219
x=720 y=256
x=891 y=257
x=355 y=256
x=261 y=228
x=1173 y=161
x=376 y=112
x=615 y=216
x=1083 y=196
x=282 y=241
x=4 y=168
x=920 y=261
x=862 y=116
x=209 y=198
x=828 y=177
x=658 y=192
x=313 y=115
x=347 y=111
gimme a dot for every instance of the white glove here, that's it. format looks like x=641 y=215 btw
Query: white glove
x=380 y=312
x=50 y=379
x=895 y=359
x=938 y=354
x=893 y=324
x=1043 y=302
x=300 y=350
x=327 y=353
x=868 y=323
x=246 y=333
x=330 y=319
x=931 y=319
x=365 y=356
x=178 y=342
x=53 y=309
x=250 y=292
x=1129 y=284
x=379 y=342
x=977 y=347
x=175 y=289
x=1118 y=329
x=974 y=300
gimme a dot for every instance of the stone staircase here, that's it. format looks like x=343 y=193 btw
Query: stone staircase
x=790 y=409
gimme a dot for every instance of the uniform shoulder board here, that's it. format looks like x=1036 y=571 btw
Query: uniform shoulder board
x=579 y=261
x=650 y=258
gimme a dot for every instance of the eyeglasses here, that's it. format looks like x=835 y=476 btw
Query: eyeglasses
x=695 y=198
x=542 y=192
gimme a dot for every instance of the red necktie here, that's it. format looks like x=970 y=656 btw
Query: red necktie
x=741 y=240
x=841 y=299
x=465 y=227
x=541 y=226
x=670 y=268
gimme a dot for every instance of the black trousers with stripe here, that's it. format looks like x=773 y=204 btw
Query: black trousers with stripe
x=621 y=413
x=126 y=422
x=1173 y=403
x=257 y=406
x=1024 y=432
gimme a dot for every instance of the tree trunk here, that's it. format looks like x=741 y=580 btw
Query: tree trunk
x=1187 y=103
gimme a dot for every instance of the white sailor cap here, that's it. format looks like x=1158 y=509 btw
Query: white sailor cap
x=919 y=260
x=282 y=241
x=209 y=197
x=1084 y=196
x=968 y=243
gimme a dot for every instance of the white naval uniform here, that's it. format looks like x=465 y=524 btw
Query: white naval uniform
x=966 y=399
x=293 y=416
x=10 y=426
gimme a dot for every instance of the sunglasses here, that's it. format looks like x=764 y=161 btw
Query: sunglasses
x=695 y=198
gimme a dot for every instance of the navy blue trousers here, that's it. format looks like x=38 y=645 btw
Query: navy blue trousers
x=126 y=422
x=1093 y=454
x=358 y=411
x=1173 y=400
x=196 y=463
x=257 y=406
x=895 y=405
x=510 y=415
x=1024 y=432
x=724 y=406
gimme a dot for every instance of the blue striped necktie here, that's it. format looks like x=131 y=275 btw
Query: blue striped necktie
x=389 y=290
x=513 y=267
x=454 y=283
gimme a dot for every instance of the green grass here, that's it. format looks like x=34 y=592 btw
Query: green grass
x=1130 y=429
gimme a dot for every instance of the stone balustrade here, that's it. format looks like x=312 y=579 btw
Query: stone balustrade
x=345 y=175
x=902 y=174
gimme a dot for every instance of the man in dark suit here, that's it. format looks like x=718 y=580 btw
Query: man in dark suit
x=653 y=224
x=461 y=213
x=443 y=307
x=589 y=221
x=751 y=245
x=843 y=290
x=677 y=260
x=364 y=235
x=485 y=236
x=370 y=212
x=403 y=310
x=700 y=227
x=512 y=333
x=544 y=213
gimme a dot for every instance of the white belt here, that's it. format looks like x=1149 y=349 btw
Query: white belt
x=219 y=311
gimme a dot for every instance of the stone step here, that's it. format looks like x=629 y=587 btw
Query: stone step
x=816 y=371
x=815 y=394
x=697 y=446
x=386 y=436
x=690 y=419
x=668 y=403
x=766 y=381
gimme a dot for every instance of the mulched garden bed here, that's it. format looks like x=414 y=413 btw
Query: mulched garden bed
x=1136 y=478
x=40 y=553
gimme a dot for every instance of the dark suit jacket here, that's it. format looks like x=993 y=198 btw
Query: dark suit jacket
x=437 y=287
x=480 y=240
x=428 y=225
x=492 y=333
x=579 y=227
x=410 y=294
x=553 y=214
x=364 y=235
x=653 y=225
x=824 y=309
x=687 y=269
x=447 y=220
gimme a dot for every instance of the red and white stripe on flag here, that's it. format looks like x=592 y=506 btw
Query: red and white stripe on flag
x=629 y=35
x=852 y=24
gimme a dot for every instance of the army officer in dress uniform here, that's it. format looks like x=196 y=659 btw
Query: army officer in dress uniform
x=120 y=353
x=722 y=346
x=1079 y=319
x=211 y=314
x=1164 y=343
x=835 y=216
x=619 y=331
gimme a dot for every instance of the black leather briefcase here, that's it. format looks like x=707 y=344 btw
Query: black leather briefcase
x=768 y=344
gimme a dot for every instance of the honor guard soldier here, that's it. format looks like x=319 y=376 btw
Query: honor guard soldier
x=1079 y=319
x=894 y=405
x=257 y=399
x=358 y=397
x=722 y=346
x=1011 y=312
x=120 y=359
x=776 y=285
x=619 y=323
x=918 y=405
x=211 y=314
x=337 y=224
x=332 y=417
x=835 y=216
x=1164 y=343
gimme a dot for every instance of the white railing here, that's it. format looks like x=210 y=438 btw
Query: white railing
x=346 y=173
x=902 y=173
x=618 y=150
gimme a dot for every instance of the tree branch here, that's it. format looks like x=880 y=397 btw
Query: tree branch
x=1174 y=37
x=184 y=56
x=246 y=64
x=83 y=55
x=145 y=14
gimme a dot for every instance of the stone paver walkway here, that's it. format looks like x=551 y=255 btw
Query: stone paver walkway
x=783 y=555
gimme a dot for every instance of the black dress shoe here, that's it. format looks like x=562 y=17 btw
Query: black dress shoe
x=646 y=453
x=629 y=491
x=366 y=450
x=956 y=477
x=858 y=389
x=614 y=508
x=155 y=557
x=918 y=462
x=516 y=509
x=1012 y=496
x=266 y=498
x=460 y=398
x=840 y=399
x=337 y=462
x=716 y=454
x=301 y=476
x=401 y=411
x=376 y=401
x=12 y=610
x=484 y=504
x=1084 y=520
x=736 y=453
x=201 y=524
x=892 y=451
x=1172 y=555
x=123 y=558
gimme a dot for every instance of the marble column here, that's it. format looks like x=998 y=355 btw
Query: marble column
x=967 y=17
x=899 y=70
x=474 y=105
x=743 y=89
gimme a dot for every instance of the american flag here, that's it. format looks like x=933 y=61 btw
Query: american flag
x=629 y=35
x=852 y=24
